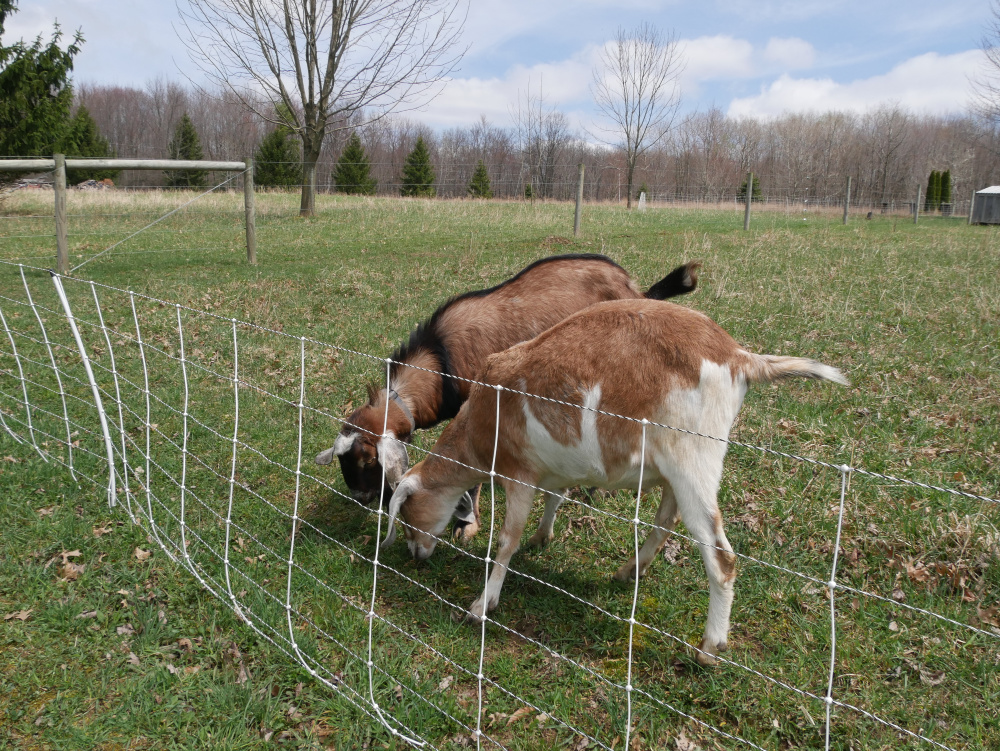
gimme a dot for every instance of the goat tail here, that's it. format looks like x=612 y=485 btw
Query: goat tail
x=767 y=368
x=680 y=281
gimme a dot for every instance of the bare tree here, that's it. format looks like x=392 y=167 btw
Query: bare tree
x=636 y=88
x=323 y=59
x=986 y=85
x=542 y=135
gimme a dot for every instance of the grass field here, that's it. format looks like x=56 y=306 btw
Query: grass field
x=129 y=651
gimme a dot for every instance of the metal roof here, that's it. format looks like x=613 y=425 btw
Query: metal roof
x=991 y=189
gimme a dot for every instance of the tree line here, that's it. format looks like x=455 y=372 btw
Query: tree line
x=888 y=152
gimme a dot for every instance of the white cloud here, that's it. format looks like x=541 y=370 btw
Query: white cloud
x=716 y=57
x=562 y=83
x=789 y=54
x=929 y=83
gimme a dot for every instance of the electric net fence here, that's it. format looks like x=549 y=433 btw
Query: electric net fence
x=201 y=428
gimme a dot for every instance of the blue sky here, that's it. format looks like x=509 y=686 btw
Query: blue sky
x=760 y=57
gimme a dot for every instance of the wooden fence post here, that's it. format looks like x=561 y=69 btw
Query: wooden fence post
x=579 y=204
x=62 y=248
x=746 y=212
x=916 y=206
x=847 y=198
x=251 y=220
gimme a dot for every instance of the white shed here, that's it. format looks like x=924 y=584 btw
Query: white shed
x=986 y=206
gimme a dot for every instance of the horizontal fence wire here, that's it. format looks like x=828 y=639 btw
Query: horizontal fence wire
x=207 y=453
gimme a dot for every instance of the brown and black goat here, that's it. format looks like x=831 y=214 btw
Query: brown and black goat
x=455 y=341
x=640 y=359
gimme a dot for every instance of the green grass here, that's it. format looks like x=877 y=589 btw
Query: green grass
x=911 y=313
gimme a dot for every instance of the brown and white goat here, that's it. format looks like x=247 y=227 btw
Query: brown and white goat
x=456 y=341
x=637 y=358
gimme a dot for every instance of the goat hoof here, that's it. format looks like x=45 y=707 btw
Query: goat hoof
x=706 y=657
x=539 y=540
x=462 y=532
x=626 y=573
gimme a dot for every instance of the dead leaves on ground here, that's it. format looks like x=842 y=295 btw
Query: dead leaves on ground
x=20 y=615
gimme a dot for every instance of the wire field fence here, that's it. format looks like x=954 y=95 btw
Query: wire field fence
x=851 y=628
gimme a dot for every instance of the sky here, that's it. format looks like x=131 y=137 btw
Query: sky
x=756 y=58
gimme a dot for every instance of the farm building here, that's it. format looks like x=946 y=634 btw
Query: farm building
x=986 y=207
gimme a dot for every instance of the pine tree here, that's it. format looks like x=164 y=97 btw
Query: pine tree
x=84 y=140
x=418 y=173
x=933 y=196
x=642 y=189
x=352 y=174
x=529 y=192
x=35 y=92
x=276 y=162
x=480 y=187
x=186 y=145
x=755 y=194
x=946 y=188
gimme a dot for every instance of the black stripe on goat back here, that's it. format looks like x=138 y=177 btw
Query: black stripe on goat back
x=426 y=336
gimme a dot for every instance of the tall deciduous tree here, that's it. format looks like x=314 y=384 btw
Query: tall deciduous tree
x=35 y=91
x=986 y=85
x=324 y=59
x=353 y=172
x=418 y=172
x=186 y=145
x=636 y=88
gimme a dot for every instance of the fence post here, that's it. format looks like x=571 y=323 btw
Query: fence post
x=916 y=207
x=108 y=446
x=251 y=220
x=972 y=205
x=579 y=204
x=746 y=212
x=847 y=198
x=62 y=250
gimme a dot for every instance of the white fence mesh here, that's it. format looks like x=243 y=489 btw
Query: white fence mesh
x=203 y=422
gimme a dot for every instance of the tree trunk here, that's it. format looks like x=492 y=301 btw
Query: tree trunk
x=312 y=143
x=629 y=173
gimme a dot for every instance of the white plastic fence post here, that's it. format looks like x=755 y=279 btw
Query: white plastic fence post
x=371 y=607
x=108 y=446
x=7 y=427
x=184 y=452
x=832 y=586
x=635 y=589
x=24 y=386
x=118 y=399
x=232 y=474
x=55 y=369
x=146 y=477
x=487 y=561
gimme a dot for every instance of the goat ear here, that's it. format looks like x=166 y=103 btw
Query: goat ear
x=393 y=457
x=401 y=494
x=340 y=447
x=325 y=457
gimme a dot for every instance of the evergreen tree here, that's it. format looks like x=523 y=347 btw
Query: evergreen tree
x=480 y=187
x=186 y=145
x=933 y=197
x=529 y=192
x=418 y=173
x=755 y=194
x=84 y=140
x=946 y=187
x=35 y=92
x=276 y=161
x=643 y=188
x=352 y=174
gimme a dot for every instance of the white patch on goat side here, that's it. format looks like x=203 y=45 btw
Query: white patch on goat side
x=578 y=463
x=709 y=409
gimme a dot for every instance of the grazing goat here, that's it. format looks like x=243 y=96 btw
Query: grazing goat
x=456 y=341
x=637 y=358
